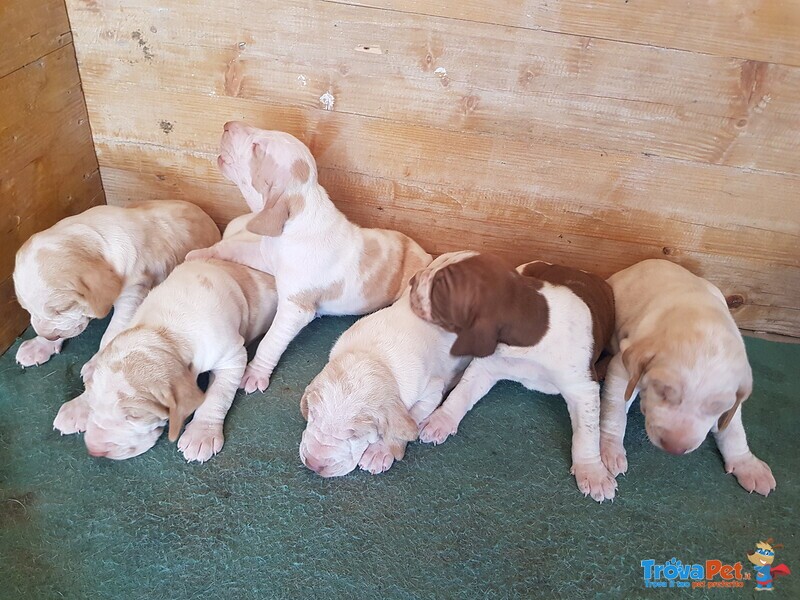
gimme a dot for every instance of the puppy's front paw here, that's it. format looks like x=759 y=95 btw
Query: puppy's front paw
x=87 y=370
x=377 y=458
x=36 y=351
x=595 y=480
x=254 y=379
x=436 y=428
x=612 y=452
x=753 y=474
x=200 y=441
x=201 y=253
x=72 y=416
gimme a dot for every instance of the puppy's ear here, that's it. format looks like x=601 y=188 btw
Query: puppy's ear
x=742 y=394
x=98 y=287
x=479 y=340
x=310 y=395
x=636 y=358
x=181 y=398
x=271 y=220
x=394 y=423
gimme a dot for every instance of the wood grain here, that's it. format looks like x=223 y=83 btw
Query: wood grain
x=30 y=30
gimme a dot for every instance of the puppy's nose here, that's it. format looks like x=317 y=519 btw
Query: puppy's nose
x=97 y=453
x=313 y=464
x=673 y=447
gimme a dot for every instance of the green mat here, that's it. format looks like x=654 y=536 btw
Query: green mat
x=492 y=513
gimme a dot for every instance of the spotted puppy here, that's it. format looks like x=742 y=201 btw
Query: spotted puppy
x=677 y=346
x=105 y=257
x=543 y=326
x=385 y=375
x=198 y=320
x=323 y=264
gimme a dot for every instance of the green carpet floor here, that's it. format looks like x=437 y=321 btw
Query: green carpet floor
x=493 y=513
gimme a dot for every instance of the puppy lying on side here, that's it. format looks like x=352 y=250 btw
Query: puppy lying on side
x=543 y=326
x=678 y=345
x=386 y=374
x=106 y=256
x=323 y=264
x=198 y=320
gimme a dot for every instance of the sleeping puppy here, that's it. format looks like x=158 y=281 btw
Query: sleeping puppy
x=678 y=346
x=198 y=320
x=386 y=374
x=543 y=325
x=106 y=256
x=323 y=264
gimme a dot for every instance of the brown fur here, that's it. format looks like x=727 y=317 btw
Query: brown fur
x=301 y=170
x=272 y=219
x=311 y=299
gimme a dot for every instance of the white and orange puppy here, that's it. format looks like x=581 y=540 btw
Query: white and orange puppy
x=543 y=325
x=323 y=264
x=386 y=374
x=199 y=319
x=106 y=256
x=677 y=345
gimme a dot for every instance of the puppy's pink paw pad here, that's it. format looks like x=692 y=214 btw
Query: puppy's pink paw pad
x=377 y=458
x=200 y=441
x=35 y=352
x=753 y=474
x=613 y=455
x=72 y=417
x=438 y=427
x=253 y=380
x=595 y=480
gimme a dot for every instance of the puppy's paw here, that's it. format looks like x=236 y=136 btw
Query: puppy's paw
x=595 y=480
x=36 y=351
x=612 y=452
x=200 y=441
x=753 y=474
x=87 y=370
x=72 y=416
x=436 y=428
x=377 y=458
x=201 y=253
x=254 y=379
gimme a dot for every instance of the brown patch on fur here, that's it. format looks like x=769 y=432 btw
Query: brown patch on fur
x=389 y=274
x=486 y=302
x=301 y=170
x=252 y=283
x=272 y=219
x=595 y=293
x=205 y=282
x=311 y=299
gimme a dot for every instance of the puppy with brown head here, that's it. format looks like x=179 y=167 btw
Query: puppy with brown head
x=385 y=375
x=105 y=257
x=542 y=325
x=677 y=346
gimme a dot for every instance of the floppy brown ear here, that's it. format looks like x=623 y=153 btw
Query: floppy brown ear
x=636 y=358
x=271 y=220
x=396 y=423
x=742 y=394
x=182 y=398
x=479 y=340
x=98 y=288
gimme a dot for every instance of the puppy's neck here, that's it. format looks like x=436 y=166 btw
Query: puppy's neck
x=318 y=216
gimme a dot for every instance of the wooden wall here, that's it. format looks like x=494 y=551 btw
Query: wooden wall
x=594 y=133
x=48 y=168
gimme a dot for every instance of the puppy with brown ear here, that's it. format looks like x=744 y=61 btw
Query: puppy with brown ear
x=542 y=325
x=386 y=374
x=105 y=257
x=323 y=264
x=678 y=347
x=198 y=320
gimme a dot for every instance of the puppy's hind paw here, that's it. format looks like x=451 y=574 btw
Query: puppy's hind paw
x=254 y=379
x=595 y=480
x=200 y=441
x=72 y=416
x=753 y=474
x=438 y=427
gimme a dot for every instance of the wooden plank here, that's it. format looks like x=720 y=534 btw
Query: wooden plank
x=765 y=30
x=460 y=76
x=31 y=29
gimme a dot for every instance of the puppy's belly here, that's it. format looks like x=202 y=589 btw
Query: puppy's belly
x=532 y=375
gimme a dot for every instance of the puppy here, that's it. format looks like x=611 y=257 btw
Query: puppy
x=198 y=320
x=678 y=346
x=106 y=256
x=323 y=264
x=386 y=374
x=543 y=326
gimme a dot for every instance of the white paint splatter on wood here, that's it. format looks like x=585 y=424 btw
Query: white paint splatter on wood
x=327 y=100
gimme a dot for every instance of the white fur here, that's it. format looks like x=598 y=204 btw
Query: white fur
x=318 y=248
x=697 y=363
x=389 y=355
x=212 y=324
x=130 y=240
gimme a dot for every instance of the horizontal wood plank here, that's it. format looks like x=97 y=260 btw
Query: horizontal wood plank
x=29 y=30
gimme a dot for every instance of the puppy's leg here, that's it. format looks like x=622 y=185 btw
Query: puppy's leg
x=591 y=475
x=378 y=457
x=753 y=474
x=203 y=438
x=614 y=417
x=430 y=400
x=476 y=382
x=37 y=351
x=289 y=321
x=247 y=253
x=72 y=416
